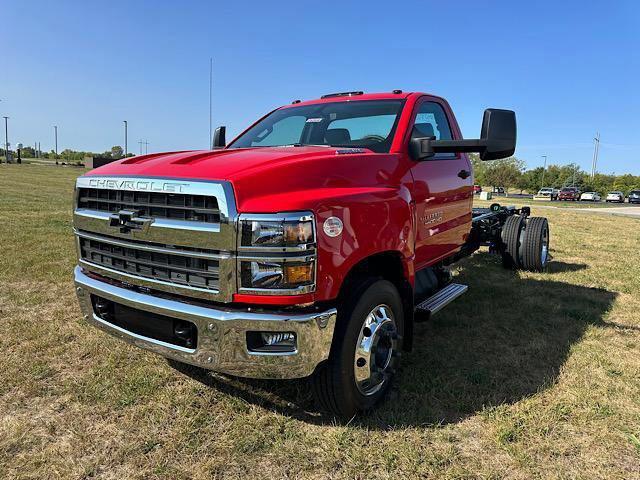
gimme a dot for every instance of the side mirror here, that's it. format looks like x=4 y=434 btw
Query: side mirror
x=219 y=137
x=498 y=139
x=499 y=133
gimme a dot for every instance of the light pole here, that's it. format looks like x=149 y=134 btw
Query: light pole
x=125 y=139
x=55 y=129
x=6 y=139
x=544 y=170
x=596 y=149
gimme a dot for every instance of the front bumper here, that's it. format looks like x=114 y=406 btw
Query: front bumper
x=222 y=344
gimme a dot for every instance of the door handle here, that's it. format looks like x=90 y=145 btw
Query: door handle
x=464 y=174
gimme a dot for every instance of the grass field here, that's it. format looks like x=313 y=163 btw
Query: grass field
x=526 y=376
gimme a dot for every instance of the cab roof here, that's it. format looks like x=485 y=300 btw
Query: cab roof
x=354 y=96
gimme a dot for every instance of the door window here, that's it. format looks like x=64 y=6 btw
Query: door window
x=431 y=121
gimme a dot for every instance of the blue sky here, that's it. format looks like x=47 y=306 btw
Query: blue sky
x=569 y=69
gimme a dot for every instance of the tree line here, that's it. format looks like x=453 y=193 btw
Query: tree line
x=69 y=155
x=511 y=173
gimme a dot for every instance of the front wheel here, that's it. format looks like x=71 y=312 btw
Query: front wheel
x=365 y=350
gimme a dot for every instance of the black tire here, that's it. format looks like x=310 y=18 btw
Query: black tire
x=511 y=232
x=535 y=245
x=334 y=382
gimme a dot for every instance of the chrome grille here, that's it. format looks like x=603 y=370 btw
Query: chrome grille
x=185 y=242
x=196 y=268
x=188 y=207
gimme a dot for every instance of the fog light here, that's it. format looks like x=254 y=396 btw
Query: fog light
x=103 y=308
x=284 y=338
x=271 y=342
x=186 y=332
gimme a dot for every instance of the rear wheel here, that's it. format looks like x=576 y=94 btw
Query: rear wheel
x=365 y=350
x=511 y=240
x=534 y=253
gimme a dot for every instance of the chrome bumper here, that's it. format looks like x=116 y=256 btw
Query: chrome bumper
x=221 y=332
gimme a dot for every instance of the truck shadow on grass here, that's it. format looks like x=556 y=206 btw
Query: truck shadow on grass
x=504 y=340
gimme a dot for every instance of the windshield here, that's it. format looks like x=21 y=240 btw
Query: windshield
x=365 y=124
x=566 y=189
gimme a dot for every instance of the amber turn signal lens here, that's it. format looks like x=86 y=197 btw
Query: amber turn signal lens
x=298 y=274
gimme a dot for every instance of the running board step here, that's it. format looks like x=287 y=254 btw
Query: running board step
x=441 y=298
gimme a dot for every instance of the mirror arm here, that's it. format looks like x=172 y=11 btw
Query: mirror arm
x=455 y=146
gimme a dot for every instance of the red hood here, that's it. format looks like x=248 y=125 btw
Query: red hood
x=272 y=179
x=212 y=165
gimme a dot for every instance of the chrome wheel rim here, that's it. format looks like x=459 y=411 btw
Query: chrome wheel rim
x=544 y=253
x=375 y=349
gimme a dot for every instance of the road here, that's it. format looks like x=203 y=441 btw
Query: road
x=627 y=210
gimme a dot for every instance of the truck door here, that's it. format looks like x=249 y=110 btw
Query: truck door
x=442 y=187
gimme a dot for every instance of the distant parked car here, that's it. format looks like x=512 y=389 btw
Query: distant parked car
x=590 y=197
x=498 y=189
x=569 y=193
x=548 y=192
x=477 y=189
x=634 y=196
x=616 y=197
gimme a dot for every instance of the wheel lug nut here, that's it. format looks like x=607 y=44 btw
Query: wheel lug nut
x=361 y=362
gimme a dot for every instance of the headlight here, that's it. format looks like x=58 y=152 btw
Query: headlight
x=277 y=275
x=270 y=231
x=276 y=253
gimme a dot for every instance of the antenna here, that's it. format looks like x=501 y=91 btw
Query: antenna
x=210 y=103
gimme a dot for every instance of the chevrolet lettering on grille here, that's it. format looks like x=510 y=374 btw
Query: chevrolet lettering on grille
x=137 y=185
x=128 y=220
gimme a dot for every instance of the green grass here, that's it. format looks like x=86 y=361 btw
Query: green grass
x=526 y=376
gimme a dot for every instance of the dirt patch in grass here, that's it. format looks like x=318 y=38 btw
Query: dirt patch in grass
x=526 y=376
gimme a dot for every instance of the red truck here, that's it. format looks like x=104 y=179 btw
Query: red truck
x=569 y=193
x=306 y=247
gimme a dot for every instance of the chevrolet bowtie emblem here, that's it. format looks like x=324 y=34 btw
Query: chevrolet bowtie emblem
x=128 y=220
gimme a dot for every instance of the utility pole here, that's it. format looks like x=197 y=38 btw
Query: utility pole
x=146 y=147
x=55 y=129
x=140 y=142
x=6 y=139
x=596 y=149
x=125 y=138
x=544 y=170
